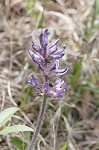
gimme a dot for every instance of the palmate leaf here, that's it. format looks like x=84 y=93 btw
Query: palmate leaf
x=7 y=114
x=15 y=128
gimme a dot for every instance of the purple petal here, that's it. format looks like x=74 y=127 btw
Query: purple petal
x=59 y=95
x=45 y=36
x=54 y=43
x=53 y=49
x=60 y=72
x=58 y=56
x=41 y=40
x=55 y=65
x=41 y=67
x=37 y=49
x=58 y=84
x=35 y=58
x=56 y=94
x=34 y=81
x=61 y=92
x=59 y=50
x=64 y=87
x=46 y=86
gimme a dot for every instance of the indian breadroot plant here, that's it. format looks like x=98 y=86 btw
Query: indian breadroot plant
x=47 y=56
x=6 y=116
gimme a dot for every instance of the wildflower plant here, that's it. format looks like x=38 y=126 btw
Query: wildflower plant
x=47 y=56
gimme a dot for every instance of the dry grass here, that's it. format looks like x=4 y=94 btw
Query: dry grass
x=76 y=117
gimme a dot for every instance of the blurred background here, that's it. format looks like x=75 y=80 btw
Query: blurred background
x=76 y=117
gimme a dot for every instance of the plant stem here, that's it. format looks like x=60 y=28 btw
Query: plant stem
x=38 y=125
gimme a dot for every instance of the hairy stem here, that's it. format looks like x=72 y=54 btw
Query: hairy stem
x=38 y=125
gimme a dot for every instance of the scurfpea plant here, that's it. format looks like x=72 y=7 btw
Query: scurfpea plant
x=47 y=56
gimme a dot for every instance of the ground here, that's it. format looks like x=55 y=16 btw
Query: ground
x=75 y=118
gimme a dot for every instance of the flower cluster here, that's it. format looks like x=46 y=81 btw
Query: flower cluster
x=47 y=56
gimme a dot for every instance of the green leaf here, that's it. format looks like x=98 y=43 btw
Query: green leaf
x=15 y=128
x=95 y=13
x=28 y=92
x=7 y=114
x=41 y=20
x=65 y=146
x=18 y=143
x=86 y=148
x=96 y=8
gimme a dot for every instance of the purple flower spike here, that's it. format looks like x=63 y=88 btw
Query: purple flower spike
x=47 y=56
